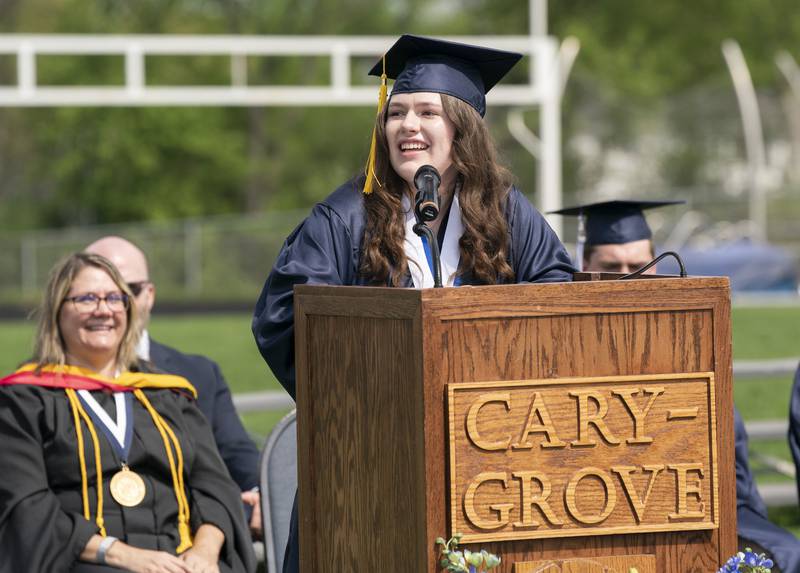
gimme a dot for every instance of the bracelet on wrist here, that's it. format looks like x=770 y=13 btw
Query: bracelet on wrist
x=102 y=549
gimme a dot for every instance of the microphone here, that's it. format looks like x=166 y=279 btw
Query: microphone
x=427 y=181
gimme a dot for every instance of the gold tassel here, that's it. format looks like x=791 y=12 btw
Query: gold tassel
x=369 y=170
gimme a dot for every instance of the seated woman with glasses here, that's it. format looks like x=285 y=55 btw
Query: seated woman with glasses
x=107 y=467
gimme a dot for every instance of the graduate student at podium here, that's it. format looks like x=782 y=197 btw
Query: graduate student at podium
x=487 y=231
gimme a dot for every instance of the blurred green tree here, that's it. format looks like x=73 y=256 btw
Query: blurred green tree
x=67 y=166
x=90 y=165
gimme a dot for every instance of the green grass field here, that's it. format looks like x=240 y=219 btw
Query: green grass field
x=758 y=333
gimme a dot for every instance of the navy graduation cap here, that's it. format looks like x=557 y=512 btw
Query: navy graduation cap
x=419 y=64
x=611 y=222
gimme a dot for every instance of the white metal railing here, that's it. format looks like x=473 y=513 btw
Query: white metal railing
x=543 y=88
x=742 y=369
x=341 y=50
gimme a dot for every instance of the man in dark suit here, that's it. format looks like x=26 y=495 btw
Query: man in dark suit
x=213 y=395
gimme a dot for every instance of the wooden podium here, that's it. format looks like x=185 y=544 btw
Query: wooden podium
x=583 y=426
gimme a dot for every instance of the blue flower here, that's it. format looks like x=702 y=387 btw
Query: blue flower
x=747 y=562
x=732 y=564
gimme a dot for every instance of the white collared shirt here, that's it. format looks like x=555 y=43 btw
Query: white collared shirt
x=421 y=273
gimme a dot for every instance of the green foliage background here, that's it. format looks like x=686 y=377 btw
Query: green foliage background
x=657 y=62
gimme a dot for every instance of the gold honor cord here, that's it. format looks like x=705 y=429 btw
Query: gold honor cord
x=169 y=439
x=76 y=405
x=177 y=475
x=369 y=170
x=81 y=457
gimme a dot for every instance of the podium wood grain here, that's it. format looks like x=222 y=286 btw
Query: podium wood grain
x=619 y=564
x=373 y=366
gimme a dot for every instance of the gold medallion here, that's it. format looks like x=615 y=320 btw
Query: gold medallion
x=127 y=487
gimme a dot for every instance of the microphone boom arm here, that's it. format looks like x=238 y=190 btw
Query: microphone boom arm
x=422 y=229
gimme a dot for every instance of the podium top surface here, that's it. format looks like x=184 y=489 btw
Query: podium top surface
x=583 y=281
x=580 y=297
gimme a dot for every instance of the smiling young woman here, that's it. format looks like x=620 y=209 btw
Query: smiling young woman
x=418 y=132
x=361 y=234
x=471 y=163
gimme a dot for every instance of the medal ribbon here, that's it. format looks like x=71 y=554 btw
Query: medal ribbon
x=120 y=433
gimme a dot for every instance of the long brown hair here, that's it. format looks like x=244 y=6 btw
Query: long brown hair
x=49 y=345
x=484 y=187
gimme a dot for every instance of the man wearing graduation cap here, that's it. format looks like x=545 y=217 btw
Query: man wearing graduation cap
x=362 y=234
x=613 y=236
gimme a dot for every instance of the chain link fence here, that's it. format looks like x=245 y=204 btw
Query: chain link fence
x=219 y=259
x=226 y=259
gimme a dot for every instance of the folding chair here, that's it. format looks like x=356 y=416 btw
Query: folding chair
x=278 y=482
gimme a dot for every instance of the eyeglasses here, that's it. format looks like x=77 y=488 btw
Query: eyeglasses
x=137 y=287
x=90 y=302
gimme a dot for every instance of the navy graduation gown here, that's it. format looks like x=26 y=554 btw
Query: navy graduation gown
x=325 y=249
x=753 y=525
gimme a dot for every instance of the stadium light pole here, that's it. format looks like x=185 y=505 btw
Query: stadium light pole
x=552 y=70
x=791 y=71
x=753 y=134
x=547 y=147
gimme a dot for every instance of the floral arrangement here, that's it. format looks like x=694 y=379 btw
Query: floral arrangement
x=465 y=561
x=747 y=562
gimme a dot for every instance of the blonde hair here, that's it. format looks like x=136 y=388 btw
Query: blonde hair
x=49 y=344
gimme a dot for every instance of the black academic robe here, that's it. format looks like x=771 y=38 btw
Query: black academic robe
x=215 y=401
x=754 y=528
x=42 y=526
x=326 y=249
